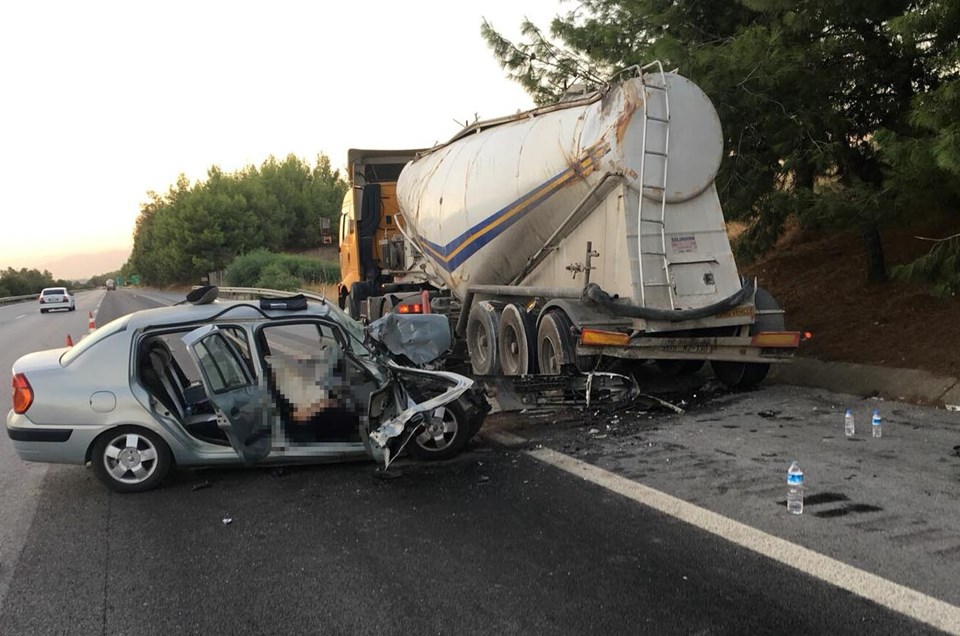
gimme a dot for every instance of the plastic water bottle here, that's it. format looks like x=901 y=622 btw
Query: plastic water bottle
x=795 y=489
x=848 y=426
x=875 y=423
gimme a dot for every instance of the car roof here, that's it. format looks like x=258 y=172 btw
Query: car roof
x=228 y=310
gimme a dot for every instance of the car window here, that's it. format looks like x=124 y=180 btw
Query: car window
x=107 y=330
x=223 y=369
x=54 y=292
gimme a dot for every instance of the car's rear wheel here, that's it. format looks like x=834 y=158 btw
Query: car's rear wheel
x=444 y=434
x=130 y=459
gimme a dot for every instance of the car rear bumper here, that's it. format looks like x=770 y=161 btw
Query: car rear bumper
x=48 y=306
x=53 y=444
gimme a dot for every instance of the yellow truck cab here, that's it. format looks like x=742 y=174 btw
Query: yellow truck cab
x=372 y=249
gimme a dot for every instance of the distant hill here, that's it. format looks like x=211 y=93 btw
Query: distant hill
x=76 y=266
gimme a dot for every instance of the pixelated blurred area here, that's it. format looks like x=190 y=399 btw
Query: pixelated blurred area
x=314 y=396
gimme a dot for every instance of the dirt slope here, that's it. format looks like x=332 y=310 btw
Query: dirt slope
x=820 y=282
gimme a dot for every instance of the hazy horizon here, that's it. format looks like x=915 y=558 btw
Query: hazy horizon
x=73 y=266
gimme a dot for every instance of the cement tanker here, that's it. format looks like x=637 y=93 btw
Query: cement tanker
x=577 y=234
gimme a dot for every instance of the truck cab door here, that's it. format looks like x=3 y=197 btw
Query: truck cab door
x=242 y=406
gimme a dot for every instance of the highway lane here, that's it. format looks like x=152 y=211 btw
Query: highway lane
x=491 y=542
x=24 y=329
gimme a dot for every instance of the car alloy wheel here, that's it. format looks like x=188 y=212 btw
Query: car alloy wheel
x=445 y=432
x=130 y=460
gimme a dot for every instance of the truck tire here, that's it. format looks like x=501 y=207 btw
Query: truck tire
x=745 y=375
x=482 y=326
x=517 y=337
x=555 y=346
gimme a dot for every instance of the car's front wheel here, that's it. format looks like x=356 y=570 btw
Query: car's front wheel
x=445 y=432
x=130 y=459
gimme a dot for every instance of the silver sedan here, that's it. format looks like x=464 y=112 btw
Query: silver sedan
x=218 y=383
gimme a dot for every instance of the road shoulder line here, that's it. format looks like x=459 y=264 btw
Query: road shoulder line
x=899 y=598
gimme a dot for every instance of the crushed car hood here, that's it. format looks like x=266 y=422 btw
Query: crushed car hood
x=422 y=338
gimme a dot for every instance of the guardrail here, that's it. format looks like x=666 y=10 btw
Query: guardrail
x=18 y=299
x=258 y=292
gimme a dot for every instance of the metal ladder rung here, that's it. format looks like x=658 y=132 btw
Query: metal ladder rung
x=656 y=153
x=662 y=120
x=648 y=284
x=657 y=221
x=655 y=87
x=653 y=187
x=653 y=253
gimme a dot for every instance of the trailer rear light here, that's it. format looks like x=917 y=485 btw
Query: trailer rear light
x=22 y=394
x=598 y=337
x=415 y=308
x=776 y=339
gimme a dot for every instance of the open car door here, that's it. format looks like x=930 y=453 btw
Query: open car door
x=242 y=406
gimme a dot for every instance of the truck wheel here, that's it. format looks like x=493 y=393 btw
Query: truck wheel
x=554 y=342
x=744 y=375
x=516 y=335
x=482 y=325
x=556 y=346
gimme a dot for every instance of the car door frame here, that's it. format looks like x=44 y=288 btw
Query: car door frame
x=242 y=409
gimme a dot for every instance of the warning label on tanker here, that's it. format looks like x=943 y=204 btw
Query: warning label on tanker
x=683 y=244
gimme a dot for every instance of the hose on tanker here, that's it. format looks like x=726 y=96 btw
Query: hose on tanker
x=594 y=295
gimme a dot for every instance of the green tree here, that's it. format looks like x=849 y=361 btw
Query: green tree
x=201 y=227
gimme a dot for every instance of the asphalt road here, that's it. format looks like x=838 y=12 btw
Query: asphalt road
x=494 y=541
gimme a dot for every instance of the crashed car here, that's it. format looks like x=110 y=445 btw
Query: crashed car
x=274 y=381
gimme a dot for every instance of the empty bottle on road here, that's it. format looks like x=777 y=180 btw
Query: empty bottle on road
x=876 y=424
x=848 y=425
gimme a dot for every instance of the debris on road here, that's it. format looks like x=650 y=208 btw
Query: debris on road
x=202 y=485
x=227 y=521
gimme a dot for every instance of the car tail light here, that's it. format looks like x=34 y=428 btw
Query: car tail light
x=41 y=300
x=22 y=394
x=415 y=308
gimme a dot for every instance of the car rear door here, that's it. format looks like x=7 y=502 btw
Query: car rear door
x=242 y=405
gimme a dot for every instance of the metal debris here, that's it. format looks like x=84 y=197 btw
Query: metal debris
x=661 y=402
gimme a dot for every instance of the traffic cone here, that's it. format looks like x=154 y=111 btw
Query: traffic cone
x=91 y=325
x=69 y=341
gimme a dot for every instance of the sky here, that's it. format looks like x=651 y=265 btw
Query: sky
x=101 y=102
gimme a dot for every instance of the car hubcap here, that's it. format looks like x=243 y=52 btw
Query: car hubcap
x=130 y=458
x=439 y=431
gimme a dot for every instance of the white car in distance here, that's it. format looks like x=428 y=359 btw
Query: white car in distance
x=56 y=298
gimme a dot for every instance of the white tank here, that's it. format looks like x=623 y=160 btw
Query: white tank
x=488 y=200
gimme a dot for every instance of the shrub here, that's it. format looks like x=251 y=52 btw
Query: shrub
x=261 y=268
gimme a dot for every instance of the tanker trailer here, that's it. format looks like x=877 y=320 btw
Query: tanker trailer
x=589 y=230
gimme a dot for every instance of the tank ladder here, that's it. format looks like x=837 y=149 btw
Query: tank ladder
x=657 y=114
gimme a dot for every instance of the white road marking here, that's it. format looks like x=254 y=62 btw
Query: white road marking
x=892 y=595
x=20 y=316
